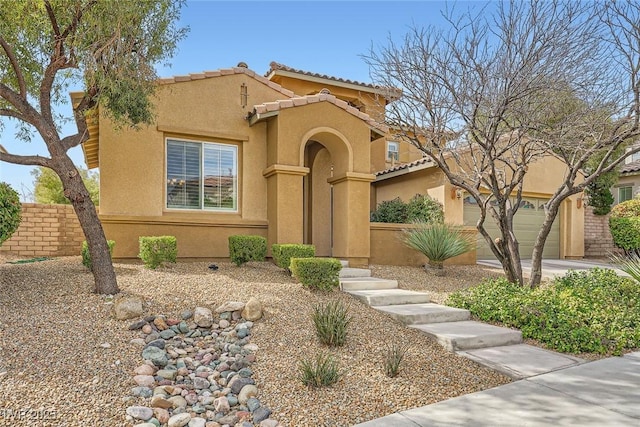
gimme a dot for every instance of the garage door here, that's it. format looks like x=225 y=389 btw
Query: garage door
x=526 y=224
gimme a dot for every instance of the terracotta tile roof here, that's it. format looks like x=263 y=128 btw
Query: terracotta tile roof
x=422 y=161
x=226 y=72
x=630 y=167
x=298 y=101
x=275 y=66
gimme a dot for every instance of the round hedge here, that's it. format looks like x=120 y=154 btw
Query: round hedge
x=624 y=223
x=10 y=211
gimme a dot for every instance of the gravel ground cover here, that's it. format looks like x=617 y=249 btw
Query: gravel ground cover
x=60 y=372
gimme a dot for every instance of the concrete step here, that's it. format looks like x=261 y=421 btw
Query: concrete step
x=521 y=360
x=366 y=284
x=344 y=263
x=390 y=297
x=469 y=335
x=413 y=314
x=355 y=272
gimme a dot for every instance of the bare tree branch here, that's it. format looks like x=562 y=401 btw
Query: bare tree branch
x=25 y=160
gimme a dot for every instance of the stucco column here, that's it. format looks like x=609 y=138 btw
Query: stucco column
x=285 y=207
x=351 y=230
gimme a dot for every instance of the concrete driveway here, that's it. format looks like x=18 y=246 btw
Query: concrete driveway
x=557 y=267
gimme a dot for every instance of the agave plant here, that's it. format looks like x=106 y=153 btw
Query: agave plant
x=438 y=242
x=630 y=264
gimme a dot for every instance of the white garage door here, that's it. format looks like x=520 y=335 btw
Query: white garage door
x=526 y=224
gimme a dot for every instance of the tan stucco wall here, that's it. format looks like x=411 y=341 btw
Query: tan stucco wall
x=379 y=161
x=369 y=102
x=132 y=163
x=387 y=248
x=541 y=180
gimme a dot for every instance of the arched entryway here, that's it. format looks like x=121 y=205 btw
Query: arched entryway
x=318 y=203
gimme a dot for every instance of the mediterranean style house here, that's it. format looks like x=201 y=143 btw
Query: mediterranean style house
x=294 y=156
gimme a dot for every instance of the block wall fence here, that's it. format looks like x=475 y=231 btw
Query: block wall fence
x=45 y=230
x=54 y=230
x=598 y=242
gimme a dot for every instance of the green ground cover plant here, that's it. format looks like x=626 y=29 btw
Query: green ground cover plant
x=593 y=311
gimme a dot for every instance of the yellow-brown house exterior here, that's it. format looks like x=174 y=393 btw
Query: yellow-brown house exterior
x=306 y=151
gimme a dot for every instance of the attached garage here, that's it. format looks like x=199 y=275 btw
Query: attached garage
x=526 y=224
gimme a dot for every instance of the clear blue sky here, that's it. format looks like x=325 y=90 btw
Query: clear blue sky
x=326 y=37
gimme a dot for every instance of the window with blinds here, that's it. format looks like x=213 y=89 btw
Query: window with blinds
x=202 y=175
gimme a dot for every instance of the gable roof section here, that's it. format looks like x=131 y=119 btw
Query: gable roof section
x=276 y=69
x=91 y=147
x=632 y=168
x=269 y=109
x=226 y=72
x=404 y=168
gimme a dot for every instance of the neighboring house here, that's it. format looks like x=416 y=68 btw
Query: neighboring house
x=290 y=156
x=628 y=185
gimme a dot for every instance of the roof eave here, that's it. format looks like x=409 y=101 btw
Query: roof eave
x=333 y=82
x=404 y=171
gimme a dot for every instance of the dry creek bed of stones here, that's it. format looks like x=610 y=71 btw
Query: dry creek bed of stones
x=69 y=361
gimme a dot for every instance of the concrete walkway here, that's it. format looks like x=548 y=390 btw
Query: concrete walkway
x=552 y=388
x=556 y=267
x=601 y=393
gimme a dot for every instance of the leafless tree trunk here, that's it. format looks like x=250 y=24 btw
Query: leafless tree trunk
x=501 y=89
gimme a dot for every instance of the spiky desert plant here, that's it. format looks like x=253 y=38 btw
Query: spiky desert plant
x=393 y=358
x=630 y=264
x=438 y=241
x=319 y=372
x=331 y=321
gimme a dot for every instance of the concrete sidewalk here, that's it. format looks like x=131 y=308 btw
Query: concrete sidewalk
x=556 y=267
x=601 y=393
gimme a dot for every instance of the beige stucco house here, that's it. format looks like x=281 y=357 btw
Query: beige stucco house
x=290 y=155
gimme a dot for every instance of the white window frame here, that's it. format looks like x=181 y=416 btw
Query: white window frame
x=624 y=187
x=203 y=146
x=393 y=154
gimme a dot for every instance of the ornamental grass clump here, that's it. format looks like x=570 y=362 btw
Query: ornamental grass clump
x=438 y=242
x=331 y=321
x=319 y=372
x=393 y=358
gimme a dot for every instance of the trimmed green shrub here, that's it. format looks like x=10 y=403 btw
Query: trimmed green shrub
x=423 y=208
x=247 y=248
x=391 y=211
x=318 y=273
x=10 y=211
x=319 y=372
x=585 y=311
x=624 y=223
x=282 y=253
x=86 y=256
x=154 y=250
x=331 y=321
